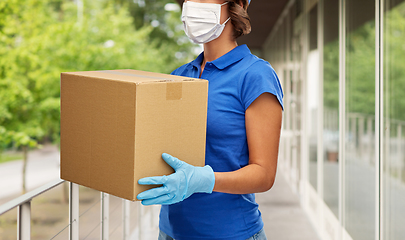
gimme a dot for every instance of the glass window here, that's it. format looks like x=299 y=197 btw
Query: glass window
x=331 y=104
x=313 y=96
x=393 y=161
x=284 y=49
x=290 y=25
x=359 y=169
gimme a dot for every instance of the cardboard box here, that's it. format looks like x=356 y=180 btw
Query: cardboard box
x=116 y=124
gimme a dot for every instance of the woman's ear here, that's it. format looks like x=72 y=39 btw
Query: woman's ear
x=242 y=3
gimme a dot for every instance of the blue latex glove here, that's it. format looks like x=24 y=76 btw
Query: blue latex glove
x=177 y=186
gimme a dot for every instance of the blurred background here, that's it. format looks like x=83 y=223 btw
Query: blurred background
x=39 y=39
x=341 y=64
x=42 y=38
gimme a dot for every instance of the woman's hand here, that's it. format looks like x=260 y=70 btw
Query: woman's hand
x=178 y=186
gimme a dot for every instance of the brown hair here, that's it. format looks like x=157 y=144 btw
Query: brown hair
x=239 y=17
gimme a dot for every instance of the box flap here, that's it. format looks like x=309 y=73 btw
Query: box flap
x=135 y=76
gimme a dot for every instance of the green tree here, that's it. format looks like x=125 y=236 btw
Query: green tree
x=394 y=66
x=39 y=39
x=360 y=69
x=360 y=72
x=331 y=75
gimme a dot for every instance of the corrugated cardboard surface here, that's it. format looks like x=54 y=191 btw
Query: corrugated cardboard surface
x=116 y=124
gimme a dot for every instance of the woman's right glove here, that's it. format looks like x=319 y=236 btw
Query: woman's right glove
x=178 y=186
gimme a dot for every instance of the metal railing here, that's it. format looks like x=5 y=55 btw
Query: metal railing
x=23 y=203
x=146 y=219
x=360 y=140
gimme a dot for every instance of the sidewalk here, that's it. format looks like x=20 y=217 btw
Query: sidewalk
x=283 y=217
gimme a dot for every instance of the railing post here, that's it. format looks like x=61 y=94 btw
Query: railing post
x=361 y=139
x=73 y=211
x=24 y=221
x=370 y=137
x=125 y=219
x=399 y=151
x=140 y=218
x=105 y=203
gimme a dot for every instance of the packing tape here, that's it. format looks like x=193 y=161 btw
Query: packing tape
x=174 y=90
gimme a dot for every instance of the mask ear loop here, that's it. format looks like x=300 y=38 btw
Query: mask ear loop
x=226 y=21
x=229 y=17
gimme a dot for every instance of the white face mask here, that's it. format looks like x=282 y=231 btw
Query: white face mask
x=202 y=21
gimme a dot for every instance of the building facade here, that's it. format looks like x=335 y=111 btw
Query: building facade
x=342 y=67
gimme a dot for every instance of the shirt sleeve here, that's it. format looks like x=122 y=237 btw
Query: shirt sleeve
x=260 y=78
x=182 y=71
x=176 y=72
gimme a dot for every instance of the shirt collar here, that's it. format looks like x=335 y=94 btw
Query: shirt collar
x=226 y=60
x=231 y=57
x=198 y=61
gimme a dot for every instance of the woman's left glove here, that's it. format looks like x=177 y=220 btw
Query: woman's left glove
x=178 y=186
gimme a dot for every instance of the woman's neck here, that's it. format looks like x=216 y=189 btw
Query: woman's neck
x=219 y=47
x=214 y=50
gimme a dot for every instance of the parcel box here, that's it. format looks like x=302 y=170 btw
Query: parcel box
x=116 y=124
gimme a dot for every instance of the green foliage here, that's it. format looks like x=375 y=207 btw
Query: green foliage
x=6 y=157
x=145 y=12
x=39 y=39
x=394 y=63
x=360 y=71
x=360 y=68
x=331 y=75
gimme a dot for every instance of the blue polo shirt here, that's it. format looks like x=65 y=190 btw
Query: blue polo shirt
x=235 y=80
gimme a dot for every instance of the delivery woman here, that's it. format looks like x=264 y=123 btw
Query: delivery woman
x=243 y=129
